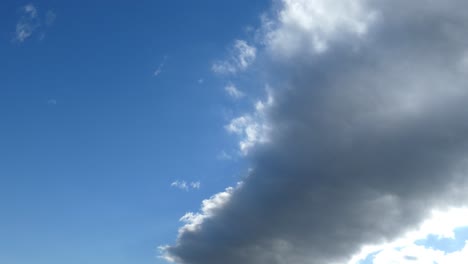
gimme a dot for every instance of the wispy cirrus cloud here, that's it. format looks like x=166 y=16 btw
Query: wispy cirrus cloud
x=160 y=67
x=27 y=23
x=233 y=91
x=30 y=21
x=186 y=186
x=241 y=57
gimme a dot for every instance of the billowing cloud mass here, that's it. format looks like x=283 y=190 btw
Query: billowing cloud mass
x=367 y=134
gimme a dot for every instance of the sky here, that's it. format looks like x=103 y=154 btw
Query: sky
x=207 y=132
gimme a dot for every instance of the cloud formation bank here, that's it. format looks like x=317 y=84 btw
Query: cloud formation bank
x=368 y=133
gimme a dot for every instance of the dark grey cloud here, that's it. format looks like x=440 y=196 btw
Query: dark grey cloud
x=369 y=133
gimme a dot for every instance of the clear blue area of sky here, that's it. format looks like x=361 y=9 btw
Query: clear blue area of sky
x=447 y=245
x=90 y=139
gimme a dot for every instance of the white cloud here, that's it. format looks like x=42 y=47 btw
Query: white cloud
x=186 y=186
x=233 y=92
x=246 y=54
x=309 y=25
x=242 y=56
x=30 y=21
x=160 y=67
x=195 y=185
x=413 y=253
x=252 y=128
x=193 y=221
x=441 y=224
x=180 y=185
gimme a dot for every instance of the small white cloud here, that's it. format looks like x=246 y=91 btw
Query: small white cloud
x=31 y=21
x=51 y=102
x=195 y=185
x=310 y=25
x=186 y=186
x=246 y=54
x=232 y=91
x=209 y=207
x=442 y=224
x=180 y=185
x=242 y=56
x=160 y=67
x=158 y=70
x=23 y=31
x=200 y=81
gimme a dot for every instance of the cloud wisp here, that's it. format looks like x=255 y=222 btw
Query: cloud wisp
x=160 y=67
x=186 y=186
x=241 y=57
x=30 y=21
x=233 y=91
x=27 y=23
x=366 y=135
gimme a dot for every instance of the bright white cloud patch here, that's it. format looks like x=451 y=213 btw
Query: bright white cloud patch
x=405 y=249
x=307 y=26
x=27 y=23
x=30 y=10
x=252 y=128
x=242 y=56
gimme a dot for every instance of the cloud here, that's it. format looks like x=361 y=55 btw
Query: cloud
x=30 y=10
x=307 y=26
x=367 y=135
x=233 y=92
x=242 y=56
x=252 y=129
x=27 y=23
x=195 y=185
x=30 y=21
x=186 y=186
x=160 y=67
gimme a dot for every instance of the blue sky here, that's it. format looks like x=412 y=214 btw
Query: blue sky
x=117 y=119
x=92 y=139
